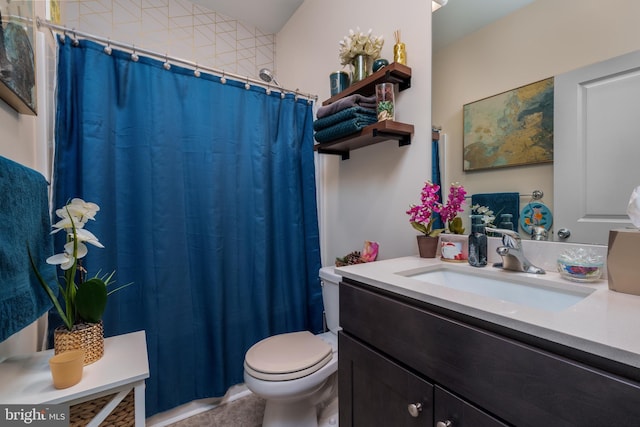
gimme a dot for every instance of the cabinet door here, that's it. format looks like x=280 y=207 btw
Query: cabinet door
x=374 y=391
x=451 y=411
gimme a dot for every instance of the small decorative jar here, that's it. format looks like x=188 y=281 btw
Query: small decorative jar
x=385 y=101
x=379 y=63
x=339 y=81
x=400 y=53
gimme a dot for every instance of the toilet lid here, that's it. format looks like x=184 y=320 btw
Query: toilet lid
x=287 y=356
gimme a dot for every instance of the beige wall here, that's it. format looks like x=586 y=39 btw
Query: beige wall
x=546 y=38
x=365 y=197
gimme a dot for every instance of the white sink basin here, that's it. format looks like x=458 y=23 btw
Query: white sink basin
x=530 y=290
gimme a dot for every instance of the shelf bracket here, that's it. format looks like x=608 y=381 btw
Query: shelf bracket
x=402 y=139
x=344 y=154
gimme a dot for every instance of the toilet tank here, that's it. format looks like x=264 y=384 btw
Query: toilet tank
x=329 y=281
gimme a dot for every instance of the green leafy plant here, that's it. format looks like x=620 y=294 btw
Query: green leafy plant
x=385 y=110
x=86 y=300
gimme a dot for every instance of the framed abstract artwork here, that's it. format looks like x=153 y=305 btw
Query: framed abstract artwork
x=17 y=55
x=512 y=128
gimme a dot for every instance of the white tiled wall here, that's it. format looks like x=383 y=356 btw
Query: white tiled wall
x=177 y=28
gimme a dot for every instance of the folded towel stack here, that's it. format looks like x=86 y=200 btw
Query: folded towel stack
x=344 y=117
x=24 y=222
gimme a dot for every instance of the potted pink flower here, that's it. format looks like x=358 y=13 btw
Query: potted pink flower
x=449 y=211
x=421 y=217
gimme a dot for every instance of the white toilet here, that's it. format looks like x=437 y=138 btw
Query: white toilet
x=295 y=372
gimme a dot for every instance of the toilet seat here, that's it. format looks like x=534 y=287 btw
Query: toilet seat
x=287 y=356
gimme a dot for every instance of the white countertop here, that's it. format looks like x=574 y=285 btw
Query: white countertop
x=605 y=323
x=27 y=379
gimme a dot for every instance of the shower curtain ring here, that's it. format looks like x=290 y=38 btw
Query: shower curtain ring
x=134 y=55
x=166 y=64
x=297 y=94
x=247 y=86
x=268 y=89
x=196 y=72
x=223 y=79
x=63 y=37
x=74 y=40
x=107 y=48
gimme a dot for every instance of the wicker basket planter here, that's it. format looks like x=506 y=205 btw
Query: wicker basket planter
x=122 y=416
x=86 y=336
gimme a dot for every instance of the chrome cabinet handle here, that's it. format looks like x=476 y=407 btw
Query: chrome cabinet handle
x=444 y=424
x=564 y=233
x=415 y=409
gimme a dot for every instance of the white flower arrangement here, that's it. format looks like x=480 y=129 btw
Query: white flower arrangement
x=358 y=43
x=486 y=214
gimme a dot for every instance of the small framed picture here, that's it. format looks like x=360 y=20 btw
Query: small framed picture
x=17 y=55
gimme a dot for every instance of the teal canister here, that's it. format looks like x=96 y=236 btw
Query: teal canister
x=339 y=81
x=477 y=246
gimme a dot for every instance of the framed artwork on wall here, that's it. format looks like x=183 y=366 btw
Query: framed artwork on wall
x=17 y=55
x=512 y=128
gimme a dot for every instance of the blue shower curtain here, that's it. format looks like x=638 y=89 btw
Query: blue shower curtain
x=208 y=205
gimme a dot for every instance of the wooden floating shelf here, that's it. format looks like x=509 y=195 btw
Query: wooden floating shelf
x=378 y=132
x=393 y=73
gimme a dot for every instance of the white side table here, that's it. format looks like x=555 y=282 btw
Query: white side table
x=26 y=379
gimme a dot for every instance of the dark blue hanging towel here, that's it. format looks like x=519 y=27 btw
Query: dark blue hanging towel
x=500 y=203
x=24 y=220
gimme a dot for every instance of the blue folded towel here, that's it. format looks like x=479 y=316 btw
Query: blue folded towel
x=24 y=220
x=344 y=128
x=500 y=203
x=347 y=102
x=349 y=113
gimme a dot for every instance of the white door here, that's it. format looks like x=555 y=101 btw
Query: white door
x=596 y=148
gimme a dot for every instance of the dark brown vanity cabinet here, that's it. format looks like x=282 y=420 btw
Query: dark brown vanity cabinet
x=407 y=363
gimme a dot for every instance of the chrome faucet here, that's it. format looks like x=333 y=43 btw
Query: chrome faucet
x=512 y=253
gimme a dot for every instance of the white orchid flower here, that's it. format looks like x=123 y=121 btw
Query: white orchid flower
x=66 y=259
x=87 y=236
x=67 y=223
x=80 y=209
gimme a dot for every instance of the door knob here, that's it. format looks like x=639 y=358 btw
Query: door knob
x=564 y=233
x=444 y=424
x=415 y=409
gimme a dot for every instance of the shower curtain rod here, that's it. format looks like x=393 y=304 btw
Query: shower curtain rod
x=171 y=59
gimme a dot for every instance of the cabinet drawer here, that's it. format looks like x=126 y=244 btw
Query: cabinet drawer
x=458 y=413
x=375 y=391
x=518 y=383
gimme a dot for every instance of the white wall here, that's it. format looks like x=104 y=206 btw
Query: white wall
x=365 y=197
x=178 y=28
x=543 y=39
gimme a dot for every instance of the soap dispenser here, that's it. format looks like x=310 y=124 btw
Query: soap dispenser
x=506 y=221
x=477 y=246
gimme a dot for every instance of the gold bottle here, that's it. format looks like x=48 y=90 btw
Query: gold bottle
x=399 y=53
